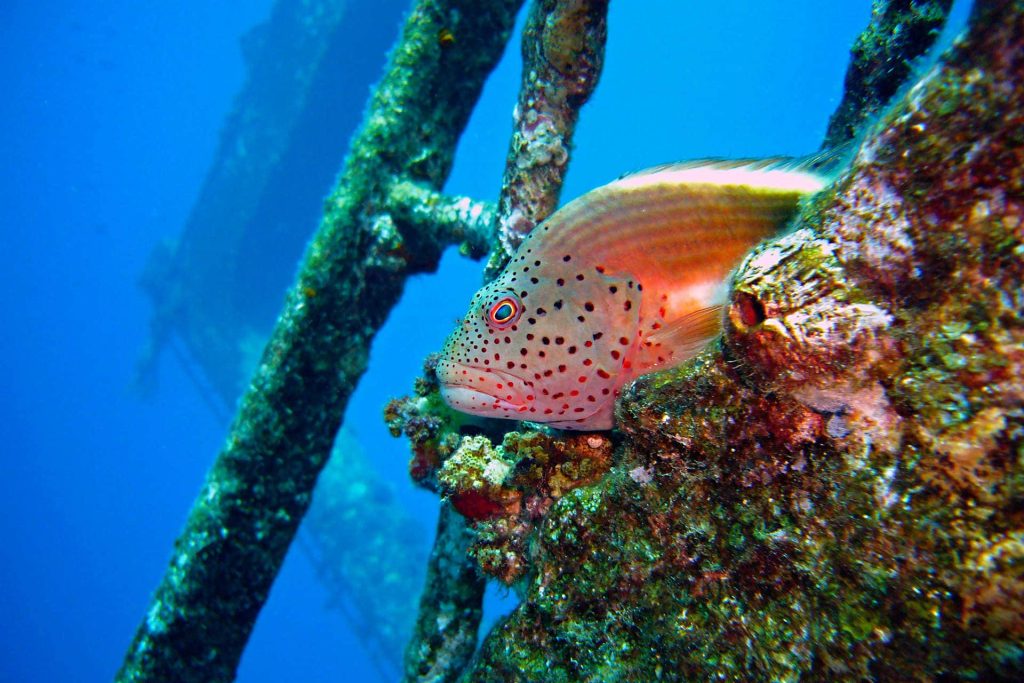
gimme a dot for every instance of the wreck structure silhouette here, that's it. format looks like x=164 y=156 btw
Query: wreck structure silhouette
x=833 y=492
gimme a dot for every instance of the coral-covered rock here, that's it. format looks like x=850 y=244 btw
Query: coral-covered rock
x=506 y=491
x=431 y=427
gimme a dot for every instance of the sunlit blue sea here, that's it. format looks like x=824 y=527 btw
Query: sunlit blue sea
x=109 y=120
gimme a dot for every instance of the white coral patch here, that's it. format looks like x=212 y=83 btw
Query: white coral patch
x=495 y=472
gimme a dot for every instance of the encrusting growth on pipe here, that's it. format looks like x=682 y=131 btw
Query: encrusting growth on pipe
x=563 y=53
x=882 y=60
x=259 y=488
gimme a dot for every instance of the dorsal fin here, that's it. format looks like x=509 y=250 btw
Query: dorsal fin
x=822 y=164
x=665 y=224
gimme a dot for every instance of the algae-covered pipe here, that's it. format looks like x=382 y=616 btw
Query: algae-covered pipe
x=881 y=61
x=450 y=608
x=254 y=497
x=563 y=53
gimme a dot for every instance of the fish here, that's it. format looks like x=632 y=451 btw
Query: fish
x=627 y=279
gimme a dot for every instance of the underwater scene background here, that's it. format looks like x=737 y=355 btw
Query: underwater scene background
x=110 y=120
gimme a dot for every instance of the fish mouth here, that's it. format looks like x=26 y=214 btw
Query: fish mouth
x=482 y=391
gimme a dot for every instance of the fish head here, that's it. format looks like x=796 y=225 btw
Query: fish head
x=544 y=344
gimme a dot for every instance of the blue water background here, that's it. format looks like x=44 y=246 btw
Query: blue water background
x=109 y=117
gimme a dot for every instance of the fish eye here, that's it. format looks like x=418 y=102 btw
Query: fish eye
x=504 y=312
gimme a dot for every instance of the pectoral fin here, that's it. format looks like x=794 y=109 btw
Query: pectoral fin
x=684 y=337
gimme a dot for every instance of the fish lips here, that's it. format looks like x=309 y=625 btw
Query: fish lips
x=475 y=390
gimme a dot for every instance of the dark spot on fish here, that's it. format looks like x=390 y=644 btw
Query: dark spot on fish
x=567 y=258
x=603 y=374
x=624 y=341
x=532 y=321
x=534 y=280
x=597 y=335
x=545 y=341
x=559 y=340
x=613 y=289
x=571 y=349
x=589 y=306
x=562 y=368
x=523 y=352
x=560 y=282
x=628 y=305
x=599 y=269
x=615 y=354
x=529 y=337
x=587 y=361
x=541 y=311
x=558 y=305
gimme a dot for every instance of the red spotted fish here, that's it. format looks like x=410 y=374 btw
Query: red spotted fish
x=627 y=279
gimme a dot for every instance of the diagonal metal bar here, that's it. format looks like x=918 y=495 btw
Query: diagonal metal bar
x=259 y=488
